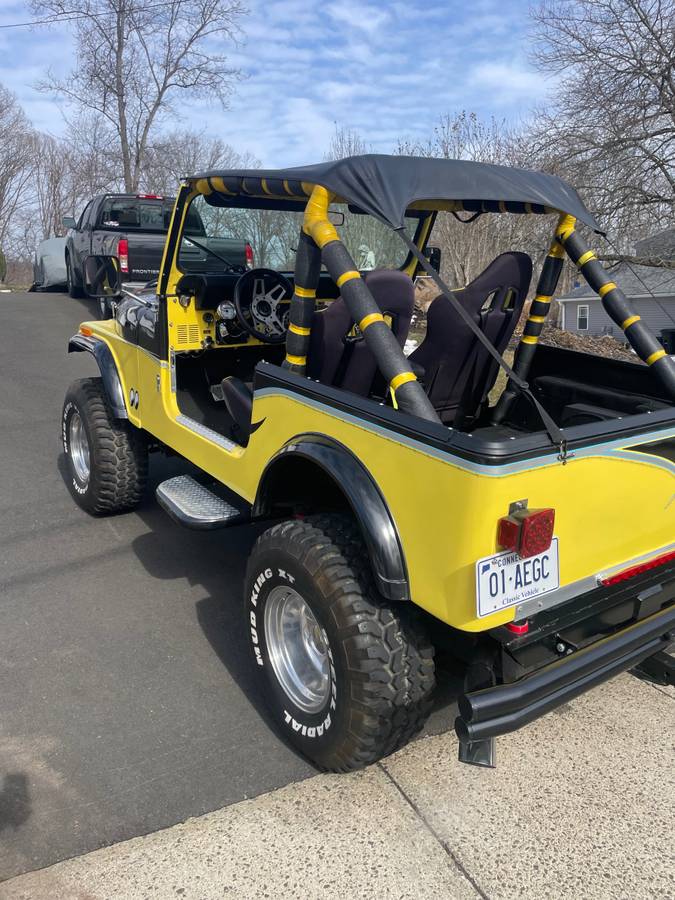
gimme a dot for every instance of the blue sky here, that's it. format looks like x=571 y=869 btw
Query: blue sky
x=385 y=69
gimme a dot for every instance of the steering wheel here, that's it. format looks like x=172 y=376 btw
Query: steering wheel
x=262 y=300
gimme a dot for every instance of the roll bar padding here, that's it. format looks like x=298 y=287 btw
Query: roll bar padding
x=408 y=393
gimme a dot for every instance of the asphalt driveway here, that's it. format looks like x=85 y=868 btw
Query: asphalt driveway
x=126 y=703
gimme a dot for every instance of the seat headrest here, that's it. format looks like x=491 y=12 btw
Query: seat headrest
x=392 y=290
x=512 y=269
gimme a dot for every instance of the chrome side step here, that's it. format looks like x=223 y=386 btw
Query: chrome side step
x=192 y=504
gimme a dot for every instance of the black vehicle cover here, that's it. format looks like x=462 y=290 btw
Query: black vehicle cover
x=385 y=186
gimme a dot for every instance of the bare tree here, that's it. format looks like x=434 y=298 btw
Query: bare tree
x=53 y=186
x=611 y=124
x=135 y=58
x=173 y=156
x=95 y=156
x=346 y=142
x=18 y=150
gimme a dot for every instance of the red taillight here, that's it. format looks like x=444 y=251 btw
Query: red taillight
x=149 y=197
x=632 y=571
x=249 y=256
x=123 y=254
x=526 y=532
x=518 y=627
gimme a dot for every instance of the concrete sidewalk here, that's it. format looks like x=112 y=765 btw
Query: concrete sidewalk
x=580 y=806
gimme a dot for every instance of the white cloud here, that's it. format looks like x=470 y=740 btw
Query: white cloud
x=509 y=79
x=386 y=69
x=359 y=16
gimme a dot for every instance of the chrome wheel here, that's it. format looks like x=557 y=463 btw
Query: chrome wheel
x=79 y=447
x=298 y=649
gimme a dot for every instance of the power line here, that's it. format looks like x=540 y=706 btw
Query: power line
x=73 y=15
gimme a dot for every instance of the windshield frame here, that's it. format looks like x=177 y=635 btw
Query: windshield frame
x=419 y=235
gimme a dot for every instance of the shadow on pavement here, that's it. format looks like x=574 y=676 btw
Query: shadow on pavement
x=213 y=560
x=89 y=307
x=15 y=805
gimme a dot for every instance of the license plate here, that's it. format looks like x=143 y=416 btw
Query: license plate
x=506 y=580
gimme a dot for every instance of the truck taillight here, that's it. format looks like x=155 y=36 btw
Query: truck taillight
x=123 y=254
x=632 y=571
x=249 y=256
x=526 y=531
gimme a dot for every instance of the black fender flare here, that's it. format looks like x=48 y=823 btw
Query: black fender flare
x=365 y=499
x=82 y=343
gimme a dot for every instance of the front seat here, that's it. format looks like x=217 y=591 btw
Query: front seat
x=338 y=355
x=459 y=372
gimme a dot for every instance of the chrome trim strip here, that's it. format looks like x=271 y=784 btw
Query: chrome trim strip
x=610 y=448
x=629 y=563
x=583 y=586
x=445 y=456
x=205 y=432
x=554 y=598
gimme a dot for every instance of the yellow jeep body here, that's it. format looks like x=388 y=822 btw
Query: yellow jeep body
x=614 y=501
x=429 y=498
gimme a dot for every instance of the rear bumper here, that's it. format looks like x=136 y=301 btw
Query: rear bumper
x=506 y=707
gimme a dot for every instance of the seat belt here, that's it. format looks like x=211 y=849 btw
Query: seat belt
x=556 y=436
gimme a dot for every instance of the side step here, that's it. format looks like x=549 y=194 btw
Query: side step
x=192 y=504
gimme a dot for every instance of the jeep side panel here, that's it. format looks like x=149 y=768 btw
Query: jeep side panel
x=613 y=499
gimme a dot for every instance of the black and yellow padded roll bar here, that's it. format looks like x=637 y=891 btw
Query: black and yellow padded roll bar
x=614 y=301
x=616 y=304
x=307 y=271
x=321 y=242
x=539 y=310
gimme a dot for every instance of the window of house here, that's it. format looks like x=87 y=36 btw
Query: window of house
x=582 y=318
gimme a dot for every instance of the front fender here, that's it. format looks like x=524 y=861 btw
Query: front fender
x=80 y=343
x=366 y=502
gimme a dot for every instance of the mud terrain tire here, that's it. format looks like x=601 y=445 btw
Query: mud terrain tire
x=115 y=453
x=380 y=663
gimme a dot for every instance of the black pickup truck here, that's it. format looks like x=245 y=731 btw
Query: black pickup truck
x=133 y=228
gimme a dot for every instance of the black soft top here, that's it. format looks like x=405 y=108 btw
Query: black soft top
x=386 y=186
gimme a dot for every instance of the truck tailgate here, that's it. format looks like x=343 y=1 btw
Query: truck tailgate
x=145 y=255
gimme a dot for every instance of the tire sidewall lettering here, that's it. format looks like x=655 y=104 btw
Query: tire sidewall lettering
x=69 y=408
x=311 y=727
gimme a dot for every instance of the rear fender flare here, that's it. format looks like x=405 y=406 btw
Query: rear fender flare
x=112 y=384
x=364 y=498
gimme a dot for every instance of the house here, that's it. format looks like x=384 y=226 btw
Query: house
x=650 y=290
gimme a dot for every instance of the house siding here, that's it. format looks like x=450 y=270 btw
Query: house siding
x=654 y=315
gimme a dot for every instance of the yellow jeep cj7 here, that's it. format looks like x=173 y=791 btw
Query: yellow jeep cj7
x=531 y=540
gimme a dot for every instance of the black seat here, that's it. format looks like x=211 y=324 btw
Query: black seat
x=459 y=372
x=338 y=355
